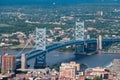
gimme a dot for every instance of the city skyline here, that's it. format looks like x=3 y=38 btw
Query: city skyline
x=60 y=39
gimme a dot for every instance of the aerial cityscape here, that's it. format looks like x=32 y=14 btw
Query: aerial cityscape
x=59 y=40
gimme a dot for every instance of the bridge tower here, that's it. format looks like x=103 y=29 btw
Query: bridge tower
x=79 y=35
x=40 y=44
x=79 y=31
x=99 y=43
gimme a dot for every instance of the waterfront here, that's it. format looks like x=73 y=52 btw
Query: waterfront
x=101 y=60
x=56 y=57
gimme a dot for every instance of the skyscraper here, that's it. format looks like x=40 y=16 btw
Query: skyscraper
x=8 y=63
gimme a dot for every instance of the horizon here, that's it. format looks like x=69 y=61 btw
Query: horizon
x=55 y=2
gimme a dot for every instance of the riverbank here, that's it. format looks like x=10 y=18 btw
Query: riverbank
x=17 y=47
x=109 y=65
x=92 y=53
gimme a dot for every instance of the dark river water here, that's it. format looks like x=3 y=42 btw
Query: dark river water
x=56 y=57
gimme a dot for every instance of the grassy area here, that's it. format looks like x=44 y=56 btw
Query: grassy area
x=19 y=47
x=66 y=49
x=4 y=25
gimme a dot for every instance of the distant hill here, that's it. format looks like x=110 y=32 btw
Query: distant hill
x=57 y=2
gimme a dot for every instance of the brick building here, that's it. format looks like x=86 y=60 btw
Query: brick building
x=8 y=63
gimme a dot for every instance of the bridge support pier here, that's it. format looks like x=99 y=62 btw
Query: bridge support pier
x=92 y=46
x=40 y=61
x=23 y=62
x=79 y=49
x=99 y=43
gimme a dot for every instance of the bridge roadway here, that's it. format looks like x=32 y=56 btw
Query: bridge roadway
x=35 y=53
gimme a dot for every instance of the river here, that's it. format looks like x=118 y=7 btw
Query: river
x=55 y=57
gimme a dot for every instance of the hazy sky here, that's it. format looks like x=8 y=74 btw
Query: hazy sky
x=27 y=2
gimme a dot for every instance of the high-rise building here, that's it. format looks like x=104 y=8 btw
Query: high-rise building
x=8 y=63
x=68 y=71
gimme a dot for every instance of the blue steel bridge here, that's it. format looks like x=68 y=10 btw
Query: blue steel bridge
x=79 y=43
x=34 y=53
x=42 y=53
